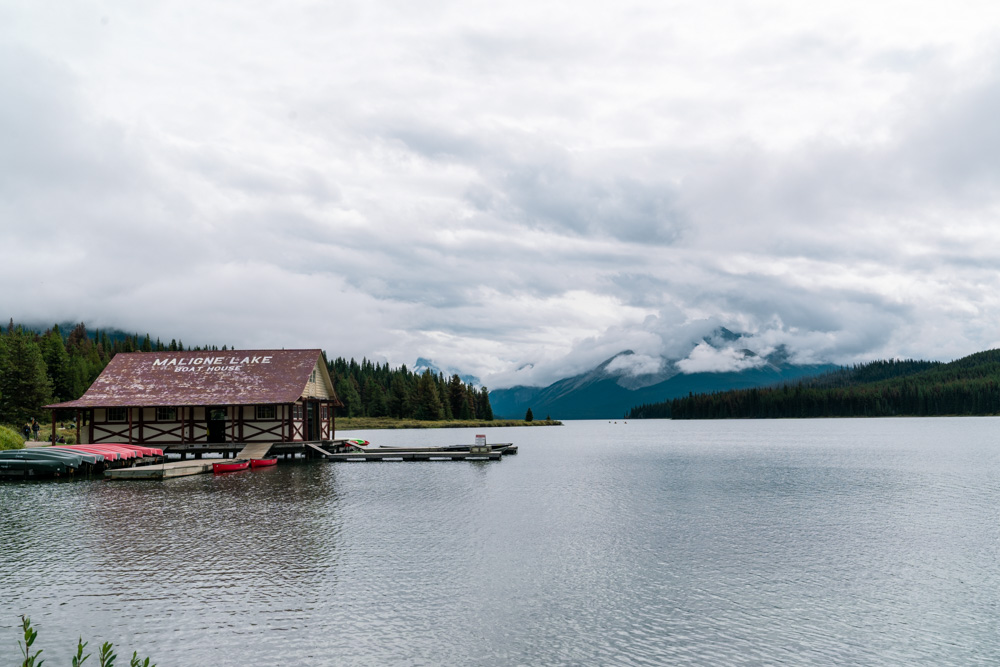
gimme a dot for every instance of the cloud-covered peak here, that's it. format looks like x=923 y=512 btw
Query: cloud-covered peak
x=705 y=358
x=630 y=364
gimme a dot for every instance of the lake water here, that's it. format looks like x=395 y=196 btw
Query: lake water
x=847 y=542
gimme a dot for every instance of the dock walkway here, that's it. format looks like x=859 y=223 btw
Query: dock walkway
x=404 y=455
x=161 y=470
x=255 y=450
x=260 y=450
x=453 y=453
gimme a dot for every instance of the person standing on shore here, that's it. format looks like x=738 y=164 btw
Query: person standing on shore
x=26 y=431
x=34 y=428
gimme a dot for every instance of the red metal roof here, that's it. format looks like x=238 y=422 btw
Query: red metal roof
x=234 y=377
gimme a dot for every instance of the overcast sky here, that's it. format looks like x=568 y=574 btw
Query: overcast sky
x=516 y=190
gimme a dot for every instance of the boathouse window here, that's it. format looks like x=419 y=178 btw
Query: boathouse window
x=297 y=411
x=166 y=414
x=312 y=376
x=117 y=415
x=266 y=413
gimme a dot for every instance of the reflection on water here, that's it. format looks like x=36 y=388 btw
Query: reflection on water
x=804 y=542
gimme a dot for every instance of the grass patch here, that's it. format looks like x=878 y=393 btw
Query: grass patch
x=66 y=430
x=365 y=423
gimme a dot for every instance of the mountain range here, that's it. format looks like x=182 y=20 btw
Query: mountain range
x=611 y=389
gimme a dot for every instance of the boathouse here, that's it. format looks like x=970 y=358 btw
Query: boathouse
x=208 y=399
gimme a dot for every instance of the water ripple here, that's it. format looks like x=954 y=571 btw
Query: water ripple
x=739 y=543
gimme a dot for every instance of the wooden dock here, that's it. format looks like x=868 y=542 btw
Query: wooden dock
x=161 y=470
x=454 y=453
x=356 y=454
x=255 y=450
x=183 y=468
x=404 y=455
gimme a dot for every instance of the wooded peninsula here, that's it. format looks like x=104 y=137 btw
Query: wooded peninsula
x=966 y=387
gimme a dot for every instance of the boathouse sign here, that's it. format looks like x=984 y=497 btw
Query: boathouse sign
x=209 y=364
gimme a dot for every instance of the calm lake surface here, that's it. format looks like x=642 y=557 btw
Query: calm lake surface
x=822 y=542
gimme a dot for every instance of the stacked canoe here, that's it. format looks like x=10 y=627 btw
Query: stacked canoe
x=71 y=460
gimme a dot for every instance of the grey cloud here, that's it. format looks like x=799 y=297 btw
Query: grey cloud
x=538 y=185
x=238 y=172
x=620 y=207
x=53 y=148
x=954 y=149
x=467 y=187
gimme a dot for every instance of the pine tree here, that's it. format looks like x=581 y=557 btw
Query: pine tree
x=400 y=398
x=57 y=365
x=427 y=401
x=24 y=384
x=483 y=408
x=456 y=397
x=528 y=416
x=347 y=392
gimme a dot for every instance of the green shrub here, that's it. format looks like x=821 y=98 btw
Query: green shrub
x=10 y=438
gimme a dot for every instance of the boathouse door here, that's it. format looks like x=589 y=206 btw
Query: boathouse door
x=312 y=421
x=216 y=424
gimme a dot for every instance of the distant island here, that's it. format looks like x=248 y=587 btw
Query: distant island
x=967 y=387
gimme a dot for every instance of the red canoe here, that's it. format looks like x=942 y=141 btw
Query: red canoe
x=230 y=466
x=109 y=454
x=142 y=450
x=262 y=463
x=123 y=452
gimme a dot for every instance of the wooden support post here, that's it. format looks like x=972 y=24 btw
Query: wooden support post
x=78 y=426
x=52 y=436
x=130 y=425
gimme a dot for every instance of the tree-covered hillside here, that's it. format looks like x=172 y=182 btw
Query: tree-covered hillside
x=968 y=386
x=59 y=364
x=42 y=367
x=369 y=389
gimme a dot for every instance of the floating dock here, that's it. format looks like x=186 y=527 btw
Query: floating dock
x=335 y=450
x=454 y=453
x=380 y=454
x=172 y=469
x=162 y=470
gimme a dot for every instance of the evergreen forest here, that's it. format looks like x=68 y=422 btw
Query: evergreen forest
x=59 y=364
x=369 y=389
x=968 y=386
